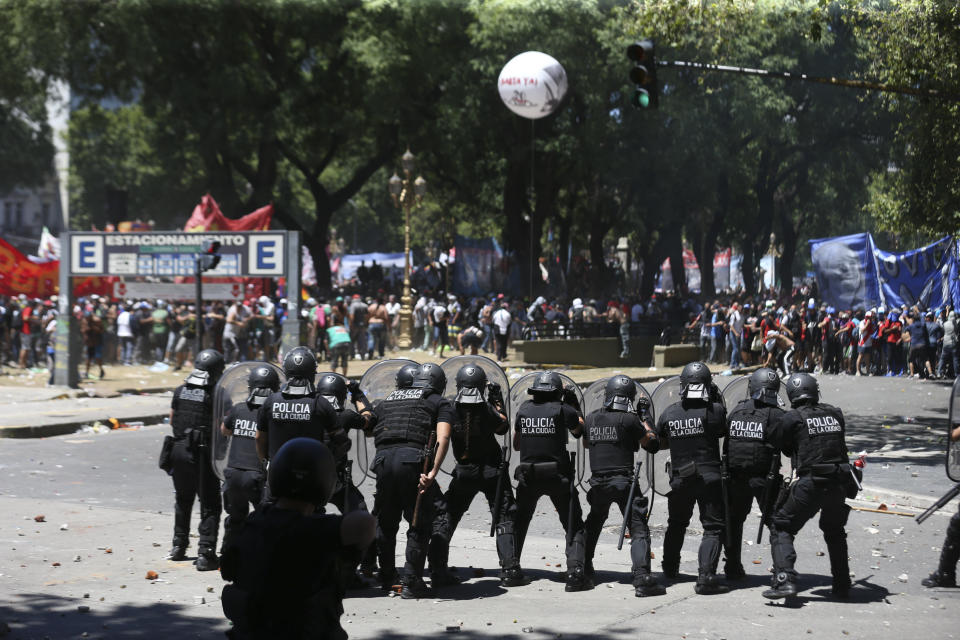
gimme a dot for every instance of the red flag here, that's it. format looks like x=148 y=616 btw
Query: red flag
x=19 y=275
x=207 y=216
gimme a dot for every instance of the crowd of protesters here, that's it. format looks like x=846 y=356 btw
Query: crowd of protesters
x=791 y=333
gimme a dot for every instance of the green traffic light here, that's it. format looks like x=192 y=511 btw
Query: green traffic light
x=641 y=98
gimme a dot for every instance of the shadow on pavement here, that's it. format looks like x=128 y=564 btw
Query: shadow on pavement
x=36 y=615
x=872 y=433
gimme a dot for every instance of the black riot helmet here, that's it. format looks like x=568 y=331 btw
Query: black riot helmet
x=262 y=381
x=620 y=394
x=334 y=388
x=430 y=376
x=803 y=388
x=471 y=383
x=546 y=384
x=763 y=386
x=300 y=365
x=695 y=382
x=207 y=368
x=303 y=469
x=406 y=375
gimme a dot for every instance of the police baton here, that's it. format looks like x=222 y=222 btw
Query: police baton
x=347 y=482
x=498 y=501
x=573 y=495
x=947 y=497
x=427 y=462
x=725 y=489
x=629 y=509
x=766 y=501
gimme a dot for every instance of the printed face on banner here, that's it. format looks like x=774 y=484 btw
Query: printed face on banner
x=840 y=275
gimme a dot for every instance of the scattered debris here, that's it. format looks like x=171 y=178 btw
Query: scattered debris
x=152 y=575
x=902 y=577
x=40 y=518
x=83 y=608
x=64 y=527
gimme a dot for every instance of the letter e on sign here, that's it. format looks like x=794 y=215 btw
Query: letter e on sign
x=86 y=254
x=265 y=255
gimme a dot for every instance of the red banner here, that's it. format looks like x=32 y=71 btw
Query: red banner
x=207 y=216
x=19 y=275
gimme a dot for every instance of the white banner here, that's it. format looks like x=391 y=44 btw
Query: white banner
x=174 y=291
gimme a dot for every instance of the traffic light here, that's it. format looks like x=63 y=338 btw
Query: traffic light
x=209 y=256
x=644 y=74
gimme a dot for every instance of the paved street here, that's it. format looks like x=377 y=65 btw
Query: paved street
x=108 y=521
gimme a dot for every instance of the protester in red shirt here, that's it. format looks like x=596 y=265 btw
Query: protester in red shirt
x=890 y=332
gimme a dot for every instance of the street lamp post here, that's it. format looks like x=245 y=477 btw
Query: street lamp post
x=407 y=194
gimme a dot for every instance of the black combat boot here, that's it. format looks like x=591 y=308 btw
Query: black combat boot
x=207 y=560
x=443 y=577
x=938 y=579
x=177 y=553
x=839 y=567
x=414 y=588
x=387 y=578
x=577 y=580
x=512 y=577
x=783 y=587
x=646 y=585
x=670 y=570
x=734 y=571
x=709 y=584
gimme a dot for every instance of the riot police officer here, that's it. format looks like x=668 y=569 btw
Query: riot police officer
x=479 y=421
x=284 y=560
x=540 y=436
x=946 y=573
x=295 y=411
x=334 y=387
x=613 y=434
x=244 y=475
x=692 y=429
x=191 y=418
x=406 y=422
x=749 y=457
x=812 y=433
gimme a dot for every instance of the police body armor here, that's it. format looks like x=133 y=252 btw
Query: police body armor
x=612 y=446
x=543 y=437
x=748 y=426
x=693 y=436
x=473 y=439
x=292 y=417
x=243 y=447
x=405 y=419
x=194 y=410
x=821 y=445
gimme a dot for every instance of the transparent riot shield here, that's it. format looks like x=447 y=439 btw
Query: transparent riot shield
x=593 y=399
x=231 y=389
x=377 y=383
x=658 y=469
x=495 y=374
x=953 y=447
x=519 y=395
x=736 y=391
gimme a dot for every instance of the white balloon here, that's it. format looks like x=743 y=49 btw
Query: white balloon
x=532 y=84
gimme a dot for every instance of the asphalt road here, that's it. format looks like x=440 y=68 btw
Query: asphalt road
x=110 y=494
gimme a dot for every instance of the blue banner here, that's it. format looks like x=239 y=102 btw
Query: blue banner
x=846 y=271
x=916 y=276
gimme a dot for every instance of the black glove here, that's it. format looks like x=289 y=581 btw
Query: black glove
x=570 y=398
x=643 y=403
x=495 y=395
x=353 y=387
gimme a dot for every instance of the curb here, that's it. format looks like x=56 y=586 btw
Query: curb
x=66 y=428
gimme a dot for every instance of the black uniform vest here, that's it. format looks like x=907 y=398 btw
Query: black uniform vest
x=543 y=434
x=404 y=418
x=194 y=409
x=294 y=417
x=748 y=436
x=613 y=440
x=473 y=438
x=820 y=435
x=693 y=433
x=243 y=445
